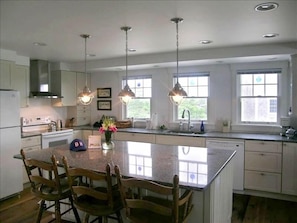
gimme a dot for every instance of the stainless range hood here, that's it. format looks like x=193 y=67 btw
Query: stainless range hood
x=40 y=80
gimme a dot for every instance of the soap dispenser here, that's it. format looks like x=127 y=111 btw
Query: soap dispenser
x=202 y=127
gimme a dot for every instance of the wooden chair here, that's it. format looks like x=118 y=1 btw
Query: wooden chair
x=94 y=194
x=149 y=202
x=48 y=185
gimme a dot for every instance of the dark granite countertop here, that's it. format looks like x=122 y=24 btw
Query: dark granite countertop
x=150 y=161
x=252 y=136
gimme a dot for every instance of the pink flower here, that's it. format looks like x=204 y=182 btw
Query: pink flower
x=108 y=125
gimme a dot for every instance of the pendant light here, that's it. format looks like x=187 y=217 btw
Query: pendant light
x=85 y=97
x=126 y=93
x=177 y=93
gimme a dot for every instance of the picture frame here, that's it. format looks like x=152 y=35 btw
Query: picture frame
x=103 y=92
x=104 y=105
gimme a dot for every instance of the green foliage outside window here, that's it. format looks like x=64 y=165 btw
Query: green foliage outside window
x=197 y=107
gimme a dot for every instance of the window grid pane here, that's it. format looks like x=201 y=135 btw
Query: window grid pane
x=258 y=97
x=140 y=106
x=197 y=91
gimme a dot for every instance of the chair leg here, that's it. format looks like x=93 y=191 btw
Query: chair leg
x=120 y=219
x=86 y=218
x=57 y=211
x=77 y=218
x=41 y=208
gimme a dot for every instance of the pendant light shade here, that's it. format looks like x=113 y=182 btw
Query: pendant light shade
x=177 y=94
x=85 y=97
x=126 y=94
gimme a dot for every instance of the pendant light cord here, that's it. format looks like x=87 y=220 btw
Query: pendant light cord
x=177 y=68
x=86 y=60
x=126 y=56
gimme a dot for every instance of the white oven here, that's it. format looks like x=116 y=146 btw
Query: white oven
x=56 y=138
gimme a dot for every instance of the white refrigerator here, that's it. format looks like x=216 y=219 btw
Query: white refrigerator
x=11 y=173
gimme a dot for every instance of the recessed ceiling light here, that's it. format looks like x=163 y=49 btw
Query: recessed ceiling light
x=39 y=44
x=270 y=35
x=132 y=50
x=205 y=41
x=264 y=7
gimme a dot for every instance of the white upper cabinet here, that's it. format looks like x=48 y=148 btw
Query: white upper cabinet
x=20 y=82
x=5 y=74
x=64 y=84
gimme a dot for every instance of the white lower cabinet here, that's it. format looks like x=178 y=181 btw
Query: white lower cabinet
x=180 y=140
x=136 y=137
x=263 y=165
x=263 y=181
x=289 y=177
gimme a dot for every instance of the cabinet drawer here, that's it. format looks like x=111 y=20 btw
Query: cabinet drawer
x=136 y=137
x=31 y=141
x=180 y=140
x=255 y=180
x=78 y=121
x=83 y=108
x=31 y=148
x=263 y=146
x=271 y=162
x=83 y=113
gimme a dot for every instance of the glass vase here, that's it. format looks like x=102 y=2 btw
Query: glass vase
x=108 y=144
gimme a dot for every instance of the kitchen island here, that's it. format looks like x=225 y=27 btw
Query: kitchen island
x=206 y=171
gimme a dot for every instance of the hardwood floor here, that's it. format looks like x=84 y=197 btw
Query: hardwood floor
x=246 y=209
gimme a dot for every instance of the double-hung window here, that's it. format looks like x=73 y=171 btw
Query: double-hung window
x=258 y=95
x=140 y=106
x=197 y=87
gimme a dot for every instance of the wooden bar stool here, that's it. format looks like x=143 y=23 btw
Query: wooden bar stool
x=94 y=194
x=149 y=202
x=48 y=185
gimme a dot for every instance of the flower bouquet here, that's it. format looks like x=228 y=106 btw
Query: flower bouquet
x=108 y=127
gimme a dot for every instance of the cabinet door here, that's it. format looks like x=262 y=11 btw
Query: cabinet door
x=263 y=146
x=20 y=82
x=270 y=182
x=270 y=162
x=64 y=83
x=77 y=134
x=136 y=137
x=180 y=140
x=289 y=176
x=68 y=88
x=85 y=135
x=5 y=72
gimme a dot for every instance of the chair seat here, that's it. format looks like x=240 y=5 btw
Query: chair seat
x=144 y=216
x=51 y=194
x=94 y=206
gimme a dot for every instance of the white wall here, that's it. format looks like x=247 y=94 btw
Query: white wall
x=222 y=98
x=43 y=107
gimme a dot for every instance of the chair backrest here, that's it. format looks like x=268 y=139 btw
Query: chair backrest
x=154 y=197
x=46 y=182
x=90 y=183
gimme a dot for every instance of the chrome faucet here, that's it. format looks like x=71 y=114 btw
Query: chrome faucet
x=189 y=119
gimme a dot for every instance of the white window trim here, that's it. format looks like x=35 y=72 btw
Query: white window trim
x=193 y=74
x=283 y=104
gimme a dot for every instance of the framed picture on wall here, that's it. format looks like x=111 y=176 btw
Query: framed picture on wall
x=103 y=92
x=104 y=105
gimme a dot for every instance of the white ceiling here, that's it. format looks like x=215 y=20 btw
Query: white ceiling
x=59 y=24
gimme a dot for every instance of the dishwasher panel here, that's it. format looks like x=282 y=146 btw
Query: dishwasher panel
x=237 y=145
